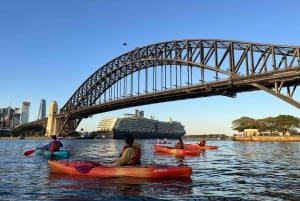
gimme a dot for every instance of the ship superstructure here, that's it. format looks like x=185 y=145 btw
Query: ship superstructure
x=140 y=127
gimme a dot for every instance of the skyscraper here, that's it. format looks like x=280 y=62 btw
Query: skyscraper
x=42 y=110
x=25 y=112
x=9 y=117
x=16 y=118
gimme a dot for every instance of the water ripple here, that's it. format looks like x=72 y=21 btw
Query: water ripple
x=237 y=171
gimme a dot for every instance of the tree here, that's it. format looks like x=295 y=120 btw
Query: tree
x=268 y=124
x=286 y=122
x=244 y=123
x=31 y=130
x=281 y=123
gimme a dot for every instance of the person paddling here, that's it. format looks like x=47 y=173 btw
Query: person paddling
x=54 y=145
x=130 y=155
x=179 y=144
x=202 y=142
x=165 y=141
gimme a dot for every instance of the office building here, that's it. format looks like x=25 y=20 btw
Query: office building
x=9 y=118
x=16 y=117
x=25 y=112
x=42 y=110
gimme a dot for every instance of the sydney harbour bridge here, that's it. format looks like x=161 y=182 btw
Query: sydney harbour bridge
x=182 y=69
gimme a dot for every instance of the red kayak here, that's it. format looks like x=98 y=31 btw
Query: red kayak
x=174 y=151
x=196 y=146
x=93 y=168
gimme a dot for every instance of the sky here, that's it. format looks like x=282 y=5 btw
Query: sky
x=48 y=48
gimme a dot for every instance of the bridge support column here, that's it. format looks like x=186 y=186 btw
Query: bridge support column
x=53 y=124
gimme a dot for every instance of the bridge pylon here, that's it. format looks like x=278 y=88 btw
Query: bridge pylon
x=53 y=123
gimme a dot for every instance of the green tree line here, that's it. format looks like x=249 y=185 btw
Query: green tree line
x=282 y=123
x=25 y=131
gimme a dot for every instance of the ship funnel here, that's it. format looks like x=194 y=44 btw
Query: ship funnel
x=142 y=114
x=139 y=114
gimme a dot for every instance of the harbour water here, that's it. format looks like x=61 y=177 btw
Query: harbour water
x=236 y=171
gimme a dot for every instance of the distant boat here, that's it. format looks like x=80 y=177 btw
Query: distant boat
x=140 y=127
x=21 y=137
x=85 y=135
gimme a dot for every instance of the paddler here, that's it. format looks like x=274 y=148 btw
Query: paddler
x=130 y=155
x=202 y=142
x=179 y=144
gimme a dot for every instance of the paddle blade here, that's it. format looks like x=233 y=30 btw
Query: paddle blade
x=83 y=169
x=27 y=153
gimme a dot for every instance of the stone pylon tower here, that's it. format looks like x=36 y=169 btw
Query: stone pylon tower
x=53 y=124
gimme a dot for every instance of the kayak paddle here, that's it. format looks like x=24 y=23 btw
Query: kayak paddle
x=85 y=168
x=29 y=152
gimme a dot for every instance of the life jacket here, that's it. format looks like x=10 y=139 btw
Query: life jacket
x=202 y=143
x=179 y=145
x=135 y=160
x=55 y=145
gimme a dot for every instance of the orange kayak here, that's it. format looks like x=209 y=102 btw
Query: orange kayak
x=92 y=168
x=196 y=146
x=174 y=151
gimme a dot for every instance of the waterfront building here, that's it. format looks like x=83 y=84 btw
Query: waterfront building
x=9 y=117
x=251 y=132
x=16 y=118
x=4 y=117
x=25 y=112
x=42 y=109
x=1 y=121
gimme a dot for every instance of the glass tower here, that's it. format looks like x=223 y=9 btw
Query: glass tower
x=25 y=112
x=42 y=110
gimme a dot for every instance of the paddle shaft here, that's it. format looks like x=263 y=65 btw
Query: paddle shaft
x=29 y=152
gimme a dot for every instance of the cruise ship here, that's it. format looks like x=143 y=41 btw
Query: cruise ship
x=140 y=127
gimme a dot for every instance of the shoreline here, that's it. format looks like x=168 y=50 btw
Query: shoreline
x=29 y=138
x=267 y=138
x=233 y=138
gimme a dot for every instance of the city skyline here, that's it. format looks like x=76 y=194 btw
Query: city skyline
x=11 y=116
x=49 y=48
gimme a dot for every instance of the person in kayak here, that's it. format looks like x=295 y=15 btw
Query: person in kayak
x=54 y=145
x=130 y=155
x=202 y=142
x=179 y=144
x=165 y=141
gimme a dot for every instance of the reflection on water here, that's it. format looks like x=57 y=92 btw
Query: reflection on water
x=236 y=171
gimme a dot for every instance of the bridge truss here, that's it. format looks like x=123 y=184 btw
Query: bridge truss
x=184 y=69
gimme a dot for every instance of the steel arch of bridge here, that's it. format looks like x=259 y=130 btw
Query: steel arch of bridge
x=183 y=69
